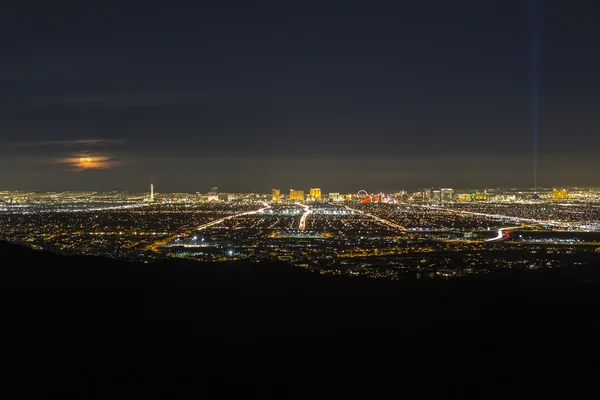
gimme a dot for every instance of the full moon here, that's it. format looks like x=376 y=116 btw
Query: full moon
x=85 y=160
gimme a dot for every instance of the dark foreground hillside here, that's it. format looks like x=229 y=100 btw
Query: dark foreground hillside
x=98 y=328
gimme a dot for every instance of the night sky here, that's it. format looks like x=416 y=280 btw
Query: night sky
x=341 y=95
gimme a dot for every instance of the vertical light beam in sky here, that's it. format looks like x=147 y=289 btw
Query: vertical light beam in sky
x=535 y=86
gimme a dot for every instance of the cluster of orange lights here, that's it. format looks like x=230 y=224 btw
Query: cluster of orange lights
x=87 y=162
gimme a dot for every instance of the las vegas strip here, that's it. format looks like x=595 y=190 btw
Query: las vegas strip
x=424 y=233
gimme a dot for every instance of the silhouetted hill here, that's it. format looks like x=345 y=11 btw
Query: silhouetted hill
x=99 y=327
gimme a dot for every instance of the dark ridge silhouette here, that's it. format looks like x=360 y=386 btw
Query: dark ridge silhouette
x=103 y=328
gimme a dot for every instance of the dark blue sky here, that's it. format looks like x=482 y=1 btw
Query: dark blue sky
x=339 y=95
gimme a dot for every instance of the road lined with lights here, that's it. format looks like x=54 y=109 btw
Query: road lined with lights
x=154 y=246
x=302 y=225
x=497 y=216
x=378 y=219
x=29 y=209
x=219 y=221
x=503 y=233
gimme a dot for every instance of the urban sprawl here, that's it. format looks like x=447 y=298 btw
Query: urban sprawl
x=424 y=234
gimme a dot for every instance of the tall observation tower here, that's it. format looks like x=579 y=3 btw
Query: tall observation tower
x=152 y=190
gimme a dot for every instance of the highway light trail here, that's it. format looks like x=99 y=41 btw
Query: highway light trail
x=503 y=233
x=303 y=218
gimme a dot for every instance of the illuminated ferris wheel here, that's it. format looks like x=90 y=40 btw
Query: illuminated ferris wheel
x=362 y=194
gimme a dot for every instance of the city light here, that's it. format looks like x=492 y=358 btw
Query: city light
x=411 y=233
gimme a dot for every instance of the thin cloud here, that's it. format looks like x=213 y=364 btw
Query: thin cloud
x=117 y=101
x=88 y=162
x=73 y=142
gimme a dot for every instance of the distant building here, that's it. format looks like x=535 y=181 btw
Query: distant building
x=336 y=197
x=296 y=195
x=213 y=195
x=436 y=195
x=315 y=194
x=560 y=194
x=275 y=195
x=223 y=196
x=447 y=194
x=464 y=197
